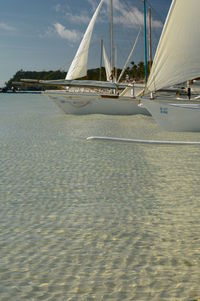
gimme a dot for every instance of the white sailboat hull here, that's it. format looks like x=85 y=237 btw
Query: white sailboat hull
x=92 y=103
x=174 y=115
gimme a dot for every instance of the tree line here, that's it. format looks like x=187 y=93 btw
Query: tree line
x=133 y=72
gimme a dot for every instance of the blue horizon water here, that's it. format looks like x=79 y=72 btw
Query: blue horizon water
x=95 y=220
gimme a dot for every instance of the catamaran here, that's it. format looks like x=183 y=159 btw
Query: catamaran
x=177 y=60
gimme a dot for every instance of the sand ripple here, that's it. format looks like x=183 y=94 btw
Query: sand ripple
x=86 y=220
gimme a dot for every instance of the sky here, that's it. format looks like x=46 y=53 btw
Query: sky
x=45 y=34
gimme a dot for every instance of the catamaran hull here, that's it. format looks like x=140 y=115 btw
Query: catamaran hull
x=81 y=104
x=180 y=116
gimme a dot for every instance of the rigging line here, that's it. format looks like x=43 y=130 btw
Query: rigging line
x=129 y=8
x=155 y=36
x=126 y=16
x=129 y=57
x=160 y=18
x=156 y=12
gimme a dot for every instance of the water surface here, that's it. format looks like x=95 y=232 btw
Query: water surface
x=84 y=220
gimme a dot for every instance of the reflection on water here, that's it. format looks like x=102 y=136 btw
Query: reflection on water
x=95 y=220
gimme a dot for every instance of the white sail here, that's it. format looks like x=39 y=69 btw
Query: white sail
x=107 y=65
x=78 y=66
x=177 y=58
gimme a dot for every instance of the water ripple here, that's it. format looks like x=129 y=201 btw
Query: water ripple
x=95 y=221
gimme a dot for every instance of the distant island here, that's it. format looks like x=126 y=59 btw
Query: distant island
x=135 y=72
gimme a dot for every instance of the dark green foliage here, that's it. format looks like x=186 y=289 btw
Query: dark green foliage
x=44 y=75
x=135 y=72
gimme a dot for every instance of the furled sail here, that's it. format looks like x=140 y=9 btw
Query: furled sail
x=107 y=65
x=177 y=58
x=78 y=66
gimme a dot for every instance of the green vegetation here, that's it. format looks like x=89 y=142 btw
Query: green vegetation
x=44 y=75
x=134 y=72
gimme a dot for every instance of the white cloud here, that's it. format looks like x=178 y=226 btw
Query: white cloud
x=130 y=16
x=6 y=27
x=93 y=4
x=156 y=23
x=61 y=8
x=134 y=17
x=64 y=33
x=50 y=32
x=80 y=19
x=58 y=7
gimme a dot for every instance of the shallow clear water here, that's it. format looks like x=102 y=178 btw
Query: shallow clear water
x=84 y=220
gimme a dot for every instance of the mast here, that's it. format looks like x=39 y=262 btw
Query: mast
x=115 y=63
x=150 y=46
x=145 y=41
x=111 y=36
x=101 y=54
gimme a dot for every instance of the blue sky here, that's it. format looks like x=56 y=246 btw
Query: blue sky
x=45 y=34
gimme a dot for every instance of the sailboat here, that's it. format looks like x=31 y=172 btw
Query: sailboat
x=90 y=101
x=177 y=60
